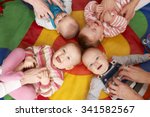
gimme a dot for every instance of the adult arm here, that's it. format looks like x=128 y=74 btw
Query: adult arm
x=129 y=9
x=40 y=8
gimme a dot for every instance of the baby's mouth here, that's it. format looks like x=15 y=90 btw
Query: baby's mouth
x=58 y=59
x=99 y=67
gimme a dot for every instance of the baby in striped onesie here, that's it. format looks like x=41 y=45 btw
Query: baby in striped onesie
x=101 y=24
x=20 y=60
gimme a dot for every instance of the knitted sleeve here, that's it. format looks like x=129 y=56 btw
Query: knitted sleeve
x=131 y=59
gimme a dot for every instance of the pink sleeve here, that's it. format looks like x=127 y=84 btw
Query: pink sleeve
x=88 y=11
x=118 y=26
x=10 y=76
x=122 y=3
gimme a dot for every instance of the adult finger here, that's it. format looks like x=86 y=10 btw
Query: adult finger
x=60 y=4
x=117 y=82
x=111 y=91
x=50 y=13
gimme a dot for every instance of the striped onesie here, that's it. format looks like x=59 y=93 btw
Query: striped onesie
x=43 y=57
x=117 y=26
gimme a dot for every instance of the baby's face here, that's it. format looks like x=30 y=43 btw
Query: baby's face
x=95 y=61
x=67 y=57
x=94 y=32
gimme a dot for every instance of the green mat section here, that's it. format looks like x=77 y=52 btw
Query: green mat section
x=14 y=23
x=139 y=24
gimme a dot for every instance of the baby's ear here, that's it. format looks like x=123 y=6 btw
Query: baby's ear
x=102 y=37
x=69 y=68
x=104 y=55
x=57 y=30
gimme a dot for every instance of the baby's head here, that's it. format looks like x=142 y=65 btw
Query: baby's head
x=91 y=34
x=66 y=25
x=95 y=61
x=67 y=56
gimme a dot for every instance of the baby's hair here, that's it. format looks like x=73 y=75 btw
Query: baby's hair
x=79 y=49
x=84 y=43
x=73 y=31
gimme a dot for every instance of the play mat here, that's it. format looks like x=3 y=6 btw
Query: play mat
x=18 y=29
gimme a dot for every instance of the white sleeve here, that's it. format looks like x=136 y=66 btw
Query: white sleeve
x=68 y=6
x=44 y=23
x=96 y=87
x=7 y=87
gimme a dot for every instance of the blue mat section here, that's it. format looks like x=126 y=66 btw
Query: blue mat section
x=3 y=54
x=146 y=11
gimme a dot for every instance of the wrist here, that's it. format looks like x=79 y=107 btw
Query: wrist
x=135 y=2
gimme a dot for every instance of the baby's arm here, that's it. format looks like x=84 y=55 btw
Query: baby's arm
x=132 y=59
x=96 y=86
x=89 y=11
x=115 y=24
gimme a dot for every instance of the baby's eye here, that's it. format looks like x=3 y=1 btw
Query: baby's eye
x=97 y=58
x=91 y=65
x=59 y=21
x=68 y=58
x=64 y=51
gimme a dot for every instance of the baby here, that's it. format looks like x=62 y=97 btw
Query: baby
x=62 y=22
x=97 y=62
x=20 y=60
x=101 y=24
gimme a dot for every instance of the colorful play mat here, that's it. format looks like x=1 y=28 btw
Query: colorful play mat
x=18 y=29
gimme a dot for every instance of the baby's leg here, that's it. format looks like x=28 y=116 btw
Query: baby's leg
x=26 y=92
x=13 y=60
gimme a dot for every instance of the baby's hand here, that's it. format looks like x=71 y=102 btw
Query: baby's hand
x=29 y=62
x=44 y=77
x=107 y=17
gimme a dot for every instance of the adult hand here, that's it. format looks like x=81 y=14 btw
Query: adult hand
x=135 y=74
x=32 y=76
x=129 y=10
x=40 y=8
x=122 y=91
